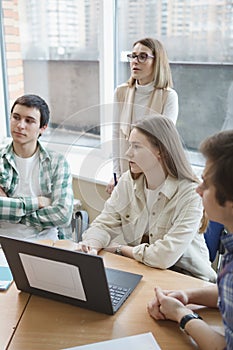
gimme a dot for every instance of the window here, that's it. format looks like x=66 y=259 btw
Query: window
x=65 y=52
x=199 y=47
x=53 y=49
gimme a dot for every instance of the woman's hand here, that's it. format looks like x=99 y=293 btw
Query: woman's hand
x=110 y=186
x=85 y=248
x=126 y=250
x=111 y=248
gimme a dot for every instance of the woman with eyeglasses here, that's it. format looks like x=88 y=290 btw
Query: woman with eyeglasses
x=149 y=90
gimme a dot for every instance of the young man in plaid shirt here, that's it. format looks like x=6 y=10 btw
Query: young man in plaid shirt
x=36 y=196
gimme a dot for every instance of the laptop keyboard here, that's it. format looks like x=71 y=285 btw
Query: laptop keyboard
x=117 y=293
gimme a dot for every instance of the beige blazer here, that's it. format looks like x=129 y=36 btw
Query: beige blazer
x=172 y=224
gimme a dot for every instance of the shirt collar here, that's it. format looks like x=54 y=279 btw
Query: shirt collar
x=168 y=188
x=9 y=153
x=144 y=88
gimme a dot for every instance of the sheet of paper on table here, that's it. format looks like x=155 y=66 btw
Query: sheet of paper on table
x=3 y=261
x=6 y=277
x=144 y=341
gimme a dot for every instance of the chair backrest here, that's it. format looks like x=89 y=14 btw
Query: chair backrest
x=79 y=224
x=213 y=238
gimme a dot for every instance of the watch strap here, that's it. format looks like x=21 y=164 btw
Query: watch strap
x=188 y=318
x=118 y=250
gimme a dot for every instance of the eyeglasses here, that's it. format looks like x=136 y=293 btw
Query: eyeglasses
x=141 y=58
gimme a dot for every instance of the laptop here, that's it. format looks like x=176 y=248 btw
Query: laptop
x=67 y=276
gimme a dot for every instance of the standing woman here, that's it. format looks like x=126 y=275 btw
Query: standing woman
x=148 y=91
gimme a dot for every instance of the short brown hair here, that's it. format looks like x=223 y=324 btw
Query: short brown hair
x=37 y=102
x=218 y=149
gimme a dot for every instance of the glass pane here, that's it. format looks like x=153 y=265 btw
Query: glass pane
x=198 y=37
x=54 y=48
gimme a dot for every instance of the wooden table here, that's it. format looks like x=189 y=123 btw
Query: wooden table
x=47 y=324
x=12 y=306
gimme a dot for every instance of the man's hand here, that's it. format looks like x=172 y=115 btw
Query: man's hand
x=44 y=201
x=180 y=295
x=2 y=193
x=168 y=305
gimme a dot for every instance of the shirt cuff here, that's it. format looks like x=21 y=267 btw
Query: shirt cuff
x=138 y=252
x=31 y=204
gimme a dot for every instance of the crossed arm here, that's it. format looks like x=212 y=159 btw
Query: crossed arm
x=43 y=211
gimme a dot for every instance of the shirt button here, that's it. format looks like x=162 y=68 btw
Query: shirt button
x=127 y=216
x=153 y=213
x=151 y=234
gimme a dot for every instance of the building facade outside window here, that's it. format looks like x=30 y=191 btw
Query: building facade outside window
x=73 y=54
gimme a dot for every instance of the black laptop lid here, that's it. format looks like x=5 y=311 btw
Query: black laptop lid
x=68 y=276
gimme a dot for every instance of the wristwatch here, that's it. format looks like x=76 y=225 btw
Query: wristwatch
x=118 y=250
x=187 y=318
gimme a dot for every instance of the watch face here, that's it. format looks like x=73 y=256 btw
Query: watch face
x=118 y=250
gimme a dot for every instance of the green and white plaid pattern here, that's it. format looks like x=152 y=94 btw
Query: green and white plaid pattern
x=55 y=182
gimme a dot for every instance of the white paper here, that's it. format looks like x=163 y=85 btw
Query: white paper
x=3 y=261
x=53 y=276
x=144 y=341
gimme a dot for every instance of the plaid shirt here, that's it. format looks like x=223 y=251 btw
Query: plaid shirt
x=225 y=286
x=55 y=182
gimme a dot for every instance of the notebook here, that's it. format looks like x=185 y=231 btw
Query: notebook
x=67 y=276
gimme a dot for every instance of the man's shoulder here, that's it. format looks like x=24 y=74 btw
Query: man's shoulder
x=51 y=154
x=6 y=149
x=228 y=269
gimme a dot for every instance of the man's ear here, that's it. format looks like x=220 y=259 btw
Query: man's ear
x=43 y=128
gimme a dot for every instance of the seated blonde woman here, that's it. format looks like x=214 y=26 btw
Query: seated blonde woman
x=154 y=213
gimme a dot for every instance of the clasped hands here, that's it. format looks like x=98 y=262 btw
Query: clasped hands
x=168 y=304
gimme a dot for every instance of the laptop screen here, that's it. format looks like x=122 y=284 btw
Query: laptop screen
x=64 y=275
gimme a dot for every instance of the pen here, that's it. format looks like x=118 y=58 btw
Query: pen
x=115 y=179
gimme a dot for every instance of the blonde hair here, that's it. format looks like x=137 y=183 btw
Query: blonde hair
x=162 y=71
x=162 y=133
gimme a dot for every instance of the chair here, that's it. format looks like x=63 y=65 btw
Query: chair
x=213 y=241
x=79 y=224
